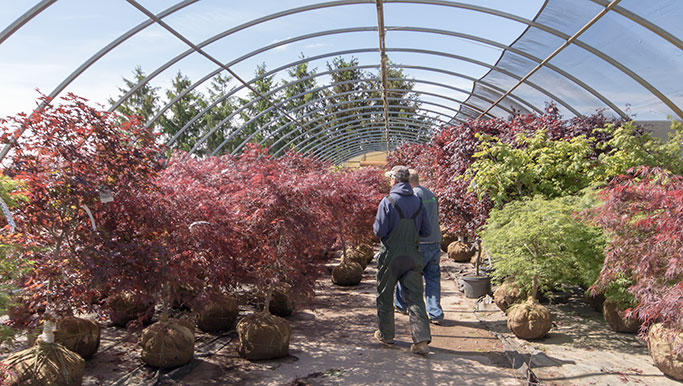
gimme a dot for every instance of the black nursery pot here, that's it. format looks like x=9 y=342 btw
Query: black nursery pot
x=476 y=286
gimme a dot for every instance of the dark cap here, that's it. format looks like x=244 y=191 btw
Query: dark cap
x=400 y=173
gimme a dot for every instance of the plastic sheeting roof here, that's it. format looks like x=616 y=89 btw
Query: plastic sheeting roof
x=623 y=56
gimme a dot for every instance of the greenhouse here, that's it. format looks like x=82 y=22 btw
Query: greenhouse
x=342 y=192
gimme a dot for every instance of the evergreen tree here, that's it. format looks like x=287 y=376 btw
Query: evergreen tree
x=181 y=112
x=220 y=86
x=295 y=107
x=143 y=102
x=264 y=85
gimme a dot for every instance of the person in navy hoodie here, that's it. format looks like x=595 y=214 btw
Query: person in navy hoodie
x=430 y=249
x=400 y=222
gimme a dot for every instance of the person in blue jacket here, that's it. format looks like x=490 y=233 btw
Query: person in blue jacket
x=430 y=249
x=401 y=221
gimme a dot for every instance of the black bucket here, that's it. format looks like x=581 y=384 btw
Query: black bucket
x=476 y=286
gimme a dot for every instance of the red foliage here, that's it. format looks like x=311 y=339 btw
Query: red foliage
x=73 y=153
x=261 y=220
x=643 y=216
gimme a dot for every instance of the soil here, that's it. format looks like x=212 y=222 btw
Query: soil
x=333 y=344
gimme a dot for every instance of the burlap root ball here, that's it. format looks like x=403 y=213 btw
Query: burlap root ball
x=347 y=274
x=508 y=294
x=661 y=342
x=282 y=302
x=218 y=315
x=447 y=239
x=263 y=336
x=167 y=344
x=79 y=335
x=181 y=295
x=45 y=364
x=354 y=255
x=529 y=320
x=615 y=318
x=127 y=306
x=367 y=252
x=459 y=251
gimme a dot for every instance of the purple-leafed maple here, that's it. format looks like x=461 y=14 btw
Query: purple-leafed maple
x=642 y=214
x=72 y=156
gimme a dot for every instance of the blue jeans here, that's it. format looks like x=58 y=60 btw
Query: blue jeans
x=431 y=254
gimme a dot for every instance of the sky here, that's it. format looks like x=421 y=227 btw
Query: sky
x=53 y=45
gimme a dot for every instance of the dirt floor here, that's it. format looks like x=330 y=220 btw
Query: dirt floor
x=333 y=345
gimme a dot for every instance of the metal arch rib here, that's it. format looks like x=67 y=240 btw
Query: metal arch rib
x=232 y=92
x=362 y=29
x=24 y=18
x=323 y=123
x=351 y=143
x=419 y=125
x=346 y=103
x=365 y=113
x=341 y=94
x=76 y=73
x=631 y=16
x=356 y=142
x=282 y=128
x=524 y=54
x=243 y=57
x=372 y=145
x=343 y=52
x=659 y=31
x=369 y=111
x=233 y=30
x=316 y=6
x=422 y=130
x=351 y=154
x=115 y=43
x=366 y=29
x=354 y=153
x=338 y=3
x=299 y=136
x=324 y=5
x=207 y=135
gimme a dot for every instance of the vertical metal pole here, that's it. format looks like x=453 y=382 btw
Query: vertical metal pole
x=383 y=66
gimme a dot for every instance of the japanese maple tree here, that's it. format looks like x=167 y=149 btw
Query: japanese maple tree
x=641 y=215
x=74 y=158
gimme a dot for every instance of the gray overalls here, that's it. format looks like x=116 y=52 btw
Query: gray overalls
x=400 y=261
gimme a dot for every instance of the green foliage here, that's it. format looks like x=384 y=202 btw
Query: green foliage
x=219 y=88
x=627 y=149
x=142 y=102
x=10 y=262
x=539 y=237
x=182 y=112
x=617 y=291
x=534 y=165
x=258 y=114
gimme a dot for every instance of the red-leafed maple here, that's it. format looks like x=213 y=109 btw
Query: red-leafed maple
x=72 y=158
x=642 y=214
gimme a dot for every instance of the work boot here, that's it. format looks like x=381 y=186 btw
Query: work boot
x=380 y=339
x=421 y=348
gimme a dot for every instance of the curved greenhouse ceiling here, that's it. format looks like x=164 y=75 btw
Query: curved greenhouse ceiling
x=344 y=77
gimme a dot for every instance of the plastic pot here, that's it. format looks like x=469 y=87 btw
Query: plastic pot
x=476 y=286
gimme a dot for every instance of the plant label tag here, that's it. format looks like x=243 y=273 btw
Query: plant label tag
x=8 y=216
x=105 y=195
